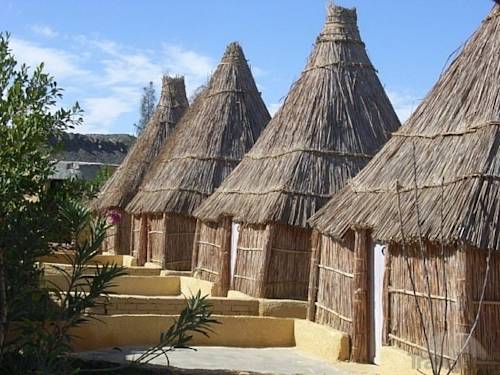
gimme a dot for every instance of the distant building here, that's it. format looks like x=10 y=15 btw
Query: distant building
x=84 y=155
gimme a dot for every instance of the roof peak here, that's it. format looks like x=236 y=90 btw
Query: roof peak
x=233 y=53
x=341 y=24
x=173 y=89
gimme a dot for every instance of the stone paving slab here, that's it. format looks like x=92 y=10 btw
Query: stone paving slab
x=276 y=361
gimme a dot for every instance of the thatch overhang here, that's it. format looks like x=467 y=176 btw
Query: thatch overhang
x=123 y=184
x=211 y=139
x=447 y=155
x=334 y=119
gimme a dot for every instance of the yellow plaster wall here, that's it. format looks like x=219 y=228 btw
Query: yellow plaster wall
x=285 y=308
x=60 y=257
x=190 y=286
x=280 y=308
x=321 y=341
x=171 y=305
x=123 y=330
x=133 y=285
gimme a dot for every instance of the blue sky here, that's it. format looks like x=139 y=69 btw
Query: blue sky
x=103 y=52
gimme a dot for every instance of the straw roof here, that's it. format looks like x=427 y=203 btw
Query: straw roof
x=334 y=119
x=123 y=184
x=218 y=129
x=451 y=145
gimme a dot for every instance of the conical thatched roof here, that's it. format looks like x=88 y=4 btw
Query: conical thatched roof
x=451 y=144
x=335 y=118
x=218 y=129
x=123 y=184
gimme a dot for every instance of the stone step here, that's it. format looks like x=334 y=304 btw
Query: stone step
x=171 y=305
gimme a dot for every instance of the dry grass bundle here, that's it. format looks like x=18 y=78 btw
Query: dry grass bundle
x=218 y=129
x=121 y=187
x=335 y=118
x=452 y=141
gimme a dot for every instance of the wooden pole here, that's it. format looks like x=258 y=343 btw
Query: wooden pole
x=465 y=312
x=196 y=248
x=164 y=244
x=132 y=251
x=361 y=301
x=314 y=275
x=143 y=241
x=266 y=261
x=387 y=296
x=225 y=275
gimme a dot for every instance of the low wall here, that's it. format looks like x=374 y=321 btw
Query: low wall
x=61 y=258
x=119 y=304
x=279 y=308
x=139 y=330
x=146 y=294
x=190 y=286
x=133 y=285
x=52 y=268
x=234 y=331
x=321 y=341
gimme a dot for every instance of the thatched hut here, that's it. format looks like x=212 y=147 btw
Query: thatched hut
x=431 y=197
x=223 y=123
x=123 y=184
x=334 y=119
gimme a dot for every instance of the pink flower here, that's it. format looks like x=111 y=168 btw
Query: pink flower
x=114 y=217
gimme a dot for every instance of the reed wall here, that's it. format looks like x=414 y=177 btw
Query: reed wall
x=335 y=283
x=288 y=274
x=404 y=324
x=179 y=236
x=117 y=240
x=208 y=257
x=453 y=308
x=156 y=239
x=487 y=333
x=250 y=259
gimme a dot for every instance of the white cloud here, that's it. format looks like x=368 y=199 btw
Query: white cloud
x=102 y=112
x=44 y=30
x=273 y=108
x=135 y=69
x=195 y=67
x=107 y=77
x=404 y=104
x=59 y=63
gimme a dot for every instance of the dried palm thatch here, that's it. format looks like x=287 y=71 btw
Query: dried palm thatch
x=218 y=129
x=449 y=147
x=446 y=160
x=121 y=187
x=224 y=122
x=334 y=119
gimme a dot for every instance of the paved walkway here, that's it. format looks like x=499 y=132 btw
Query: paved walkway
x=282 y=361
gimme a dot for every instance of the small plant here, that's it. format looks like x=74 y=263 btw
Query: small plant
x=42 y=325
x=196 y=317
